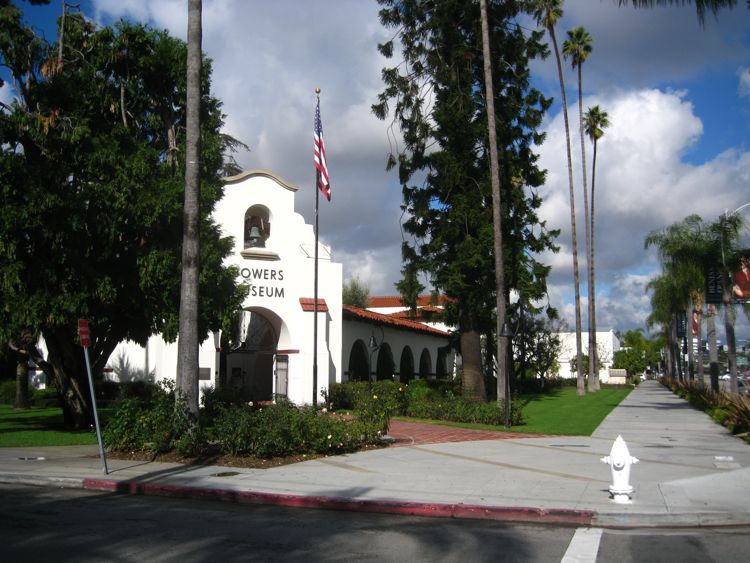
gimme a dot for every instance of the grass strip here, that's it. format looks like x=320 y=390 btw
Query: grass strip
x=36 y=427
x=558 y=411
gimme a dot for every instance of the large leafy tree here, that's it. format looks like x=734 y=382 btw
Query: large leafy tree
x=91 y=221
x=436 y=98
x=547 y=13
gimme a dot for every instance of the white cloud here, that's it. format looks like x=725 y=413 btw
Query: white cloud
x=269 y=56
x=642 y=184
x=743 y=89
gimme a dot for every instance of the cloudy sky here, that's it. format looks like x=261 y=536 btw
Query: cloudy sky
x=677 y=94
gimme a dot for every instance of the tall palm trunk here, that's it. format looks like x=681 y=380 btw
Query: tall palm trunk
x=581 y=383
x=187 y=376
x=593 y=360
x=689 y=338
x=592 y=267
x=502 y=343
x=699 y=337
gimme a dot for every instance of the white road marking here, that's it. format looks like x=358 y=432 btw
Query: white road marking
x=584 y=546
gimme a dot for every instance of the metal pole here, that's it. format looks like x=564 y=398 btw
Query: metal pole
x=315 y=292
x=102 y=455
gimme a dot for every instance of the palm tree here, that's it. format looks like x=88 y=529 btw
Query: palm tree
x=502 y=343
x=546 y=13
x=577 y=48
x=187 y=371
x=725 y=236
x=594 y=122
x=683 y=248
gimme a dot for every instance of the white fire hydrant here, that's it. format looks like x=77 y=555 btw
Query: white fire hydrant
x=620 y=461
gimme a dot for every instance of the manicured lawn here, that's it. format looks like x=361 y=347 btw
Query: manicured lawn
x=563 y=412
x=39 y=427
x=560 y=411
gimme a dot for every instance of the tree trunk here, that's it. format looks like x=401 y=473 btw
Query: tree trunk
x=472 y=381
x=22 y=382
x=187 y=376
x=593 y=372
x=502 y=343
x=581 y=383
x=729 y=317
x=592 y=270
x=689 y=338
x=698 y=312
x=713 y=350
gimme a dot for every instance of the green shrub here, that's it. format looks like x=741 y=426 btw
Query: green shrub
x=234 y=429
x=283 y=429
x=214 y=400
x=158 y=425
x=8 y=392
x=728 y=409
x=45 y=398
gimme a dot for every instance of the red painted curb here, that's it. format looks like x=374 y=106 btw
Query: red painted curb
x=434 y=510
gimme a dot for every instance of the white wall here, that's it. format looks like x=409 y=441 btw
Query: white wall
x=607 y=344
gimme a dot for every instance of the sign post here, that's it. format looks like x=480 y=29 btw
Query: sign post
x=85 y=337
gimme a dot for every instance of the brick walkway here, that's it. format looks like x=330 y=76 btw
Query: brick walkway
x=414 y=434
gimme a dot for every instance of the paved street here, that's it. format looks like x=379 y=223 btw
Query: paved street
x=691 y=473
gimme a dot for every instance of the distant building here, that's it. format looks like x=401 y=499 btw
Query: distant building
x=607 y=344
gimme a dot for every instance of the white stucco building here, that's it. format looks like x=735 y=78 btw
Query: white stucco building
x=607 y=344
x=274 y=251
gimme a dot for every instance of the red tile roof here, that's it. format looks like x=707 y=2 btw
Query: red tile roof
x=378 y=301
x=355 y=313
x=308 y=304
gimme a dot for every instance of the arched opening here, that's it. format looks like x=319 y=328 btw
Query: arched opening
x=250 y=362
x=257 y=227
x=359 y=362
x=385 y=366
x=406 y=365
x=425 y=364
x=442 y=367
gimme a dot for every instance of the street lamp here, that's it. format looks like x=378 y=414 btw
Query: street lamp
x=506 y=332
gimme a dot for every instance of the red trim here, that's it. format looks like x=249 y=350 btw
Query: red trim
x=287 y=351
x=308 y=304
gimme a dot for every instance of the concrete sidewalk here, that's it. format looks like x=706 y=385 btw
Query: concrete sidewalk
x=691 y=473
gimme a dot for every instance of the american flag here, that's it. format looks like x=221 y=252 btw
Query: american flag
x=319 y=156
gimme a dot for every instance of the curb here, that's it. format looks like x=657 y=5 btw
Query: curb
x=529 y=515
x=433 y=510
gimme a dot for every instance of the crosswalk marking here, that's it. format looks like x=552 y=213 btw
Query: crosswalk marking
x=583 y=546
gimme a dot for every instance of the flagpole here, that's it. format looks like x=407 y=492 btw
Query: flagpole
x=315 y=292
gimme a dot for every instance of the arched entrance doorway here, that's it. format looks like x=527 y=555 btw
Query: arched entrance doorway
x=406 y=366
x=359 y=363
x=385 y=365
x=250 y=362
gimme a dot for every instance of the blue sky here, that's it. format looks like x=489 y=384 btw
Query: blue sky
x=678 y=96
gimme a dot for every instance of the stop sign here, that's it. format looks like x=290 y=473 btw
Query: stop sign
x=83 y=333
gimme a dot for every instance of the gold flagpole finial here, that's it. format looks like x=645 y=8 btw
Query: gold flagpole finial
x=317 y=90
